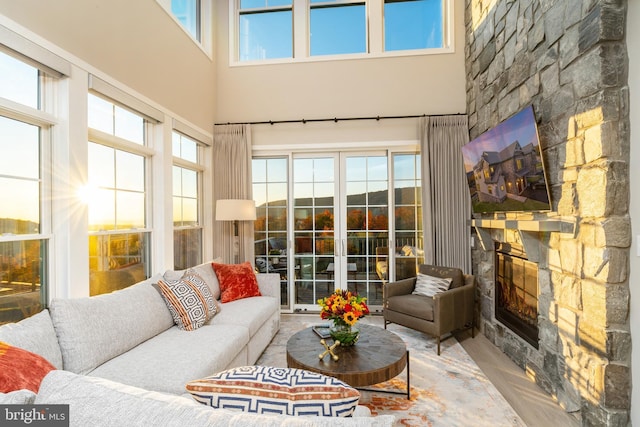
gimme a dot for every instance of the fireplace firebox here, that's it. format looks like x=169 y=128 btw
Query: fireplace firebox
x=516 y=286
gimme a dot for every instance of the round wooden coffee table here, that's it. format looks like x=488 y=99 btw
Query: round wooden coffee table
x=378 y=356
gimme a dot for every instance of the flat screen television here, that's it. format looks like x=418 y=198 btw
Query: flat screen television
x=504 y=167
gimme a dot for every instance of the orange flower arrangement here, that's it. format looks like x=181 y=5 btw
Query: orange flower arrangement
x=343 y=307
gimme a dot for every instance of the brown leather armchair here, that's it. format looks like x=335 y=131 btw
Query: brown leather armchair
x=441 y=314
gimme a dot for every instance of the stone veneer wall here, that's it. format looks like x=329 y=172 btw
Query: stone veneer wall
x=568 y=59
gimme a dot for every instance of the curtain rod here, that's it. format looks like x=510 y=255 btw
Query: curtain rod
x=336 y=119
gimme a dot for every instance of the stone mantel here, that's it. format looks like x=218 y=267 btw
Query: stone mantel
x=528 y=229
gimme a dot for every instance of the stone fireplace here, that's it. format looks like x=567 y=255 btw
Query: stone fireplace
x=516 y=291
x=568 y=60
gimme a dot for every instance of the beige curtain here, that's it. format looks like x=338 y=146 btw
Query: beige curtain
x=446 y=205
x=232 y=180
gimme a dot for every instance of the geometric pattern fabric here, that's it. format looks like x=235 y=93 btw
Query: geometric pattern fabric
x=189 y=300
x=269 y=390
x=429 y=286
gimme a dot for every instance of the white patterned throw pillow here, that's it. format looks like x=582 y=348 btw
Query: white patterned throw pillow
x=189 y=300
x=429 y=286
x=269 y=390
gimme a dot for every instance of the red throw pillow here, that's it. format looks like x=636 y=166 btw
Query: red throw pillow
x=237 y=281
x=21 y=369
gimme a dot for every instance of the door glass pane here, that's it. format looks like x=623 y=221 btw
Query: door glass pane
x=270 y=191
x=315 y=265
x=367 y=225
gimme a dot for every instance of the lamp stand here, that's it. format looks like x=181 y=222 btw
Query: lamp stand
x=236 y=243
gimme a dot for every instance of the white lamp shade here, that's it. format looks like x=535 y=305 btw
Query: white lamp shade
x=235 y=210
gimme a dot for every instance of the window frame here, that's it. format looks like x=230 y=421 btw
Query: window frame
x=375 y=35
x=205 y=42
x=117 y=143
x=42 y=118
x=199 y=168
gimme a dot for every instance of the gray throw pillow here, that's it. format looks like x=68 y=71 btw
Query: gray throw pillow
x=429 y=286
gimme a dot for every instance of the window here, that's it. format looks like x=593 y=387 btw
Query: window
x=265 y=29
x=188 y=14
x=270 y=191
x=195 y=17
x=413 y=24
x=519 y=164
x=337 y=27
x=408 y=214
x=298 y=30
x=25 y=215
x=119 y=242
x=187 y=234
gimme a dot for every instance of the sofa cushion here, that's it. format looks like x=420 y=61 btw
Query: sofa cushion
x=189 y=300
x=261 y=309
x=95 y=329
x=17 y=397
x=268 y=390
x=237 y=281
x=21 y=369
x=412 y=305
x=429 y=286
x=169 y=360
x=35 y=334
x=204 y=270
x=455 y=274
x=96 y=401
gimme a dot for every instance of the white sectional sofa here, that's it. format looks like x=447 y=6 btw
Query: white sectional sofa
x=123 y=348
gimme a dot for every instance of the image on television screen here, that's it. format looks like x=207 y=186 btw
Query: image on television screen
x=504 y=167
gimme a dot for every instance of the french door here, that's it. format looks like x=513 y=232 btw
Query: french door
x=340 y=225
x=332 y=221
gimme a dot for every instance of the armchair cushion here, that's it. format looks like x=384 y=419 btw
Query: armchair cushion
x=412 y=305
x=455 y=274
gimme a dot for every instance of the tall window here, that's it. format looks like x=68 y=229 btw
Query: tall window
x=337 y=27
x=270 y=190
x=118 y=236
x=187 y=235
x=409 y=236
x=265 y=29
x=25 y=211
x=188 y=13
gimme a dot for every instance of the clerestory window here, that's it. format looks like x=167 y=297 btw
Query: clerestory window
x=298 y=30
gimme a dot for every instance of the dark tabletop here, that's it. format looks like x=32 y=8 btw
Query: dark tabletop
x=378 y=356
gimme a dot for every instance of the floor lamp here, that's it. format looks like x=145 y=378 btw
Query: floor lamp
x=235 y=210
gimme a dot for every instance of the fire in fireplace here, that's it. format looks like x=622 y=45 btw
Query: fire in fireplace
x=516 y=286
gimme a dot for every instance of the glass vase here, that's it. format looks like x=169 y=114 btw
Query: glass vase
x=347 y=335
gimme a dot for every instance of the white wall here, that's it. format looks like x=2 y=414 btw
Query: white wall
x=633 y=49
x=134 y=42
x=410 y=85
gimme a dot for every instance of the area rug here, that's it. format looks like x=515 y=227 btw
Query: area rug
x=446 y=390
